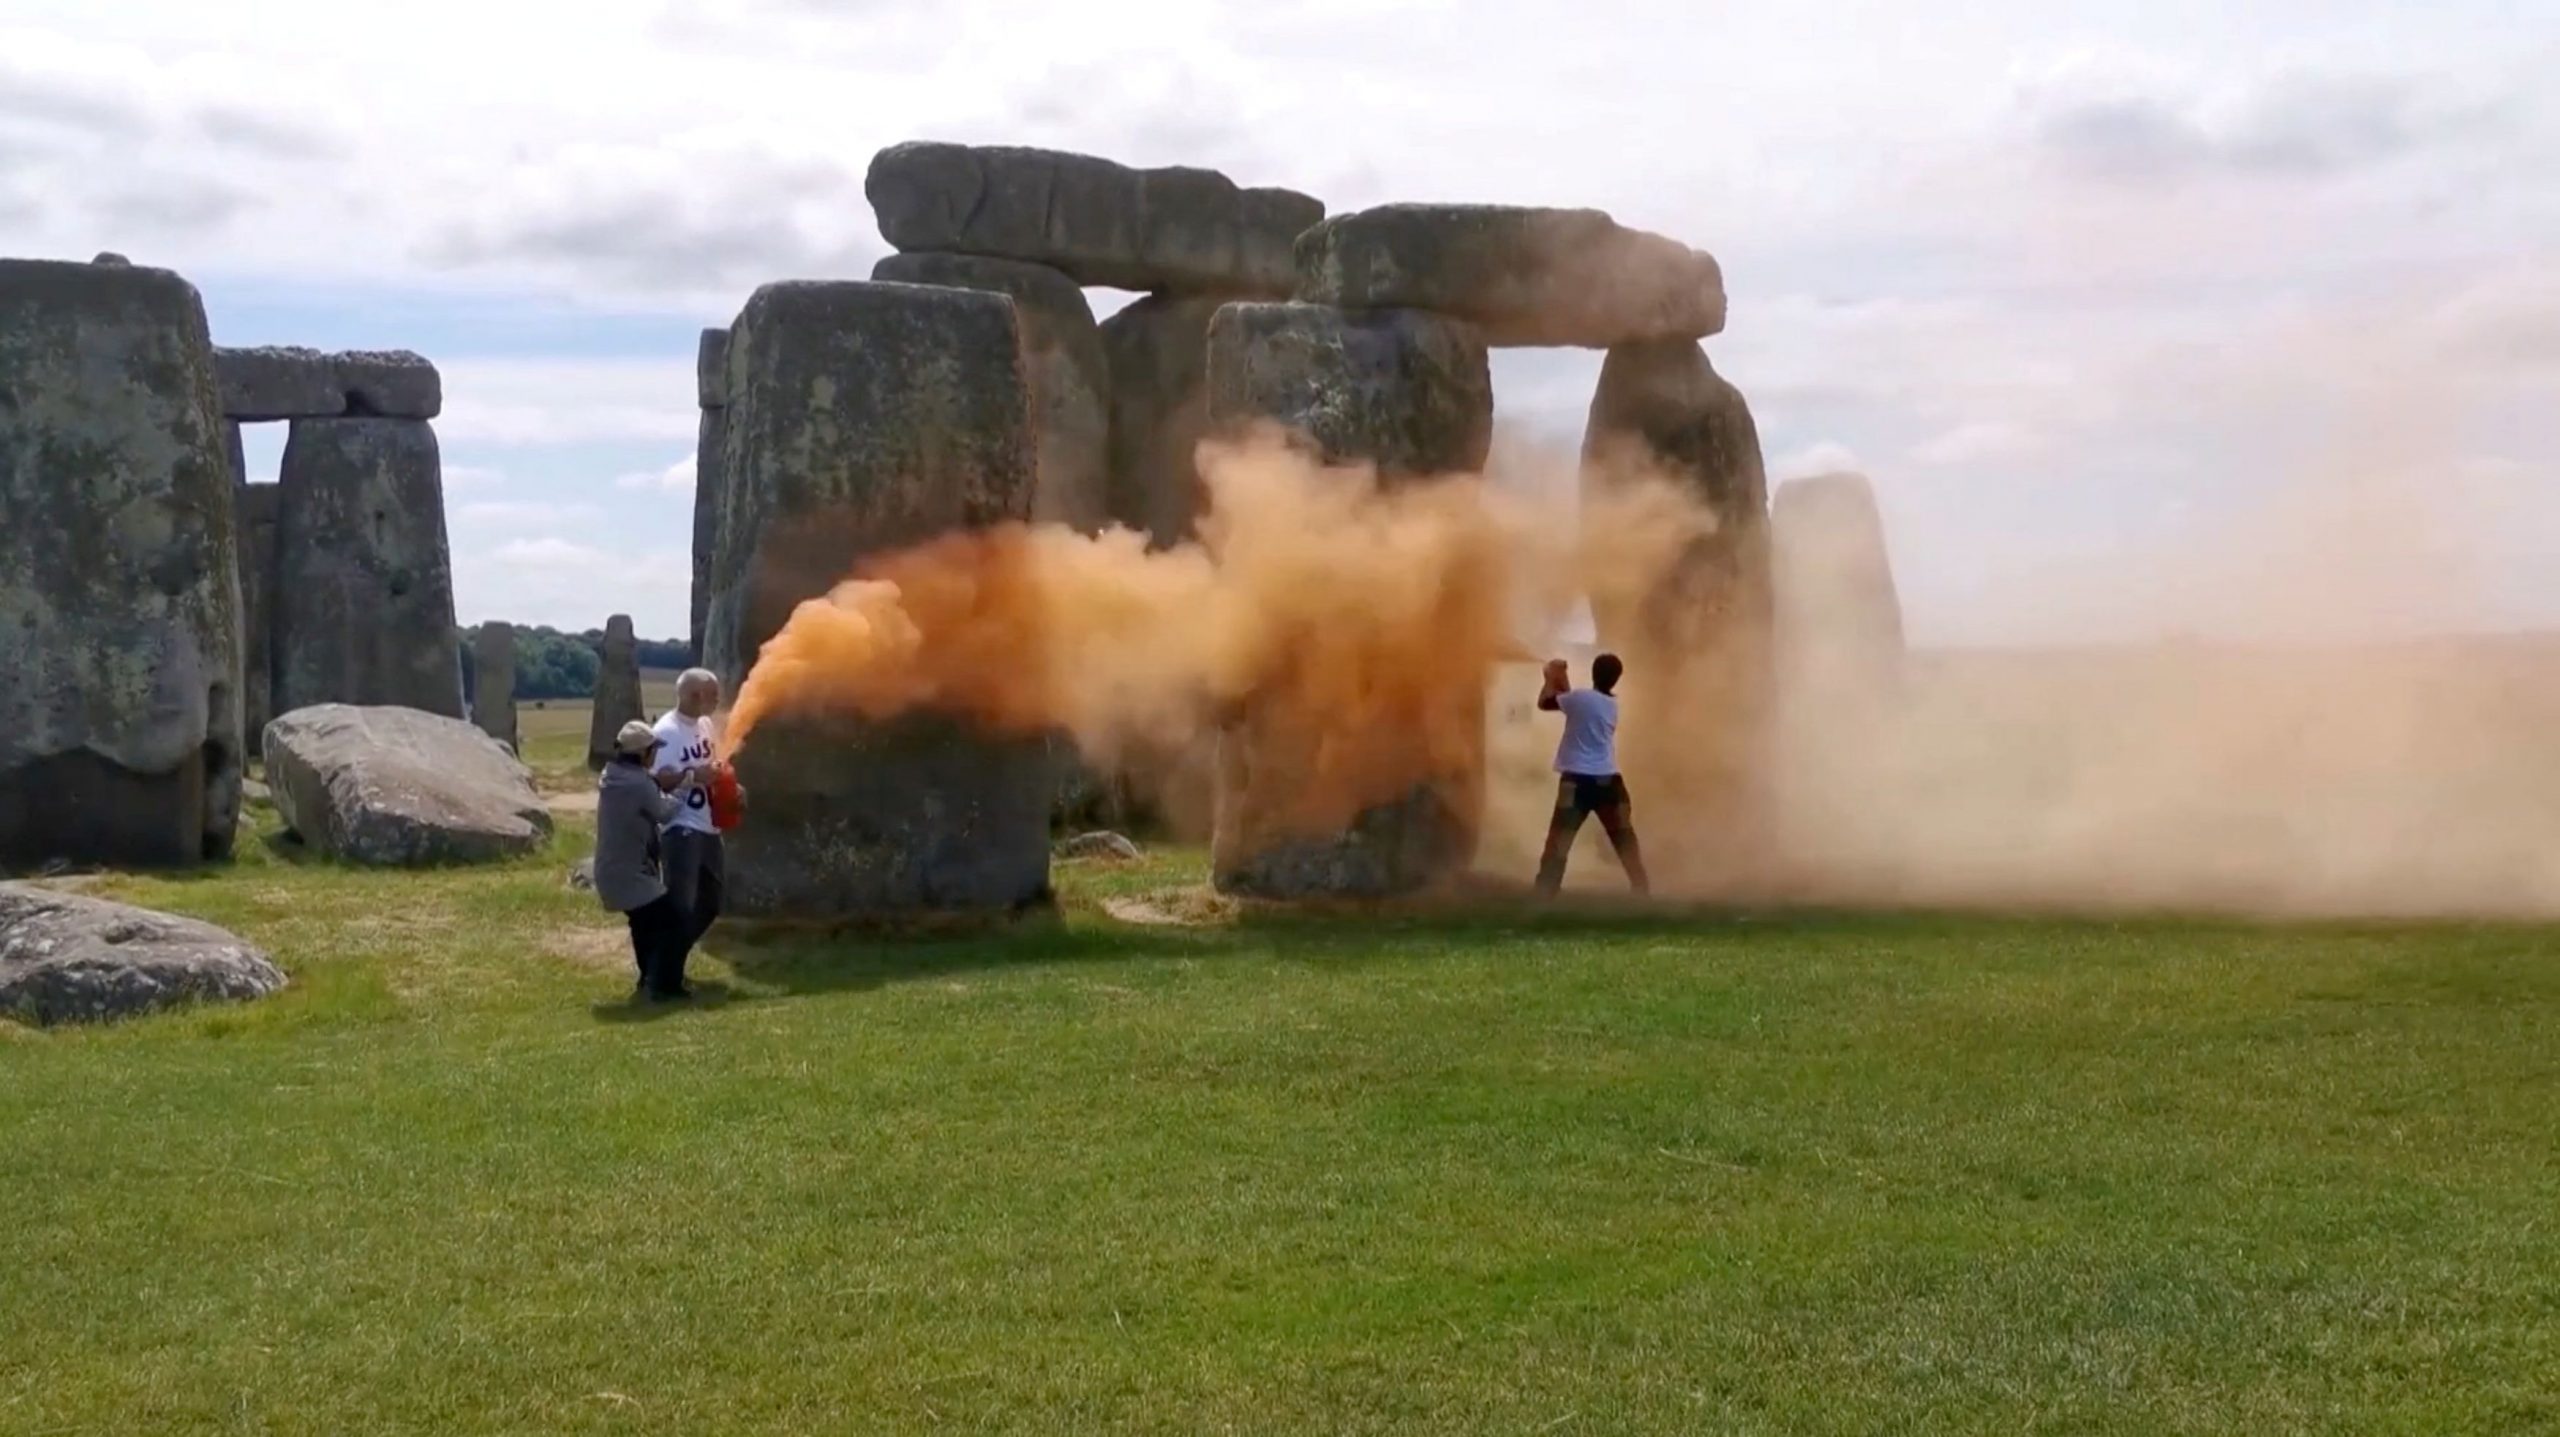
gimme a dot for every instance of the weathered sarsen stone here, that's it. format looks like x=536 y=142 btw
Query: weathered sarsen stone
x=293 y=382
x=67 y=958
x=1839 y=618
x=119 y=581
x=1411 y=394
x=1157 y=354
x=617 y=700
x=1696 y=637
x=363 y=576
x=1527 y=276
x=394 y=787
x=862 y=418
x=711 y=369
x=254 y=514
x=711 y=380
x=1102 y=223
x=1070 y=380
x=493 y=669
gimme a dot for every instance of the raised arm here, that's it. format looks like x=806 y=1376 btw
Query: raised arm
x=1557 y=682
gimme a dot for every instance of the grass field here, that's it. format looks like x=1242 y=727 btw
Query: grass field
x=1579 y=1171
x=553 y=737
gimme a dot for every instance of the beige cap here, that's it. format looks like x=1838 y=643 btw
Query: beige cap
x=635 y=738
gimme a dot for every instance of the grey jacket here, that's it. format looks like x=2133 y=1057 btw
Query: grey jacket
x=629 y=812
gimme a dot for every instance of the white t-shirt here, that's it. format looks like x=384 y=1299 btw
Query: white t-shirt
x=685 y=743
x=1590 y=745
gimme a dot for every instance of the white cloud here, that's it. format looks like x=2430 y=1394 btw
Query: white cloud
x=514 y=513
x=1977 y=442
x=676 y=478
x=567 y=401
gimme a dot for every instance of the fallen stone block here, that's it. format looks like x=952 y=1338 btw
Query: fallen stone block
x=67 y=958
x=394 y=787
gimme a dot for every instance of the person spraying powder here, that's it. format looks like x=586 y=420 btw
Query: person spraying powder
x=1587 y=777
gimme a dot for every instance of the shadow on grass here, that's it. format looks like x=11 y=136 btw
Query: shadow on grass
x=707 y=995
x=785 y=963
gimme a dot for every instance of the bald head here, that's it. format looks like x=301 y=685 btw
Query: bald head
x=697 y=693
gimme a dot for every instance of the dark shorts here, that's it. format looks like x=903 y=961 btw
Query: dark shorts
x=1582 y=794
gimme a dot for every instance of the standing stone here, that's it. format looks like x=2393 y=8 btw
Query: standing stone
x=255 y=510
x=863 y=418
x=1178 y=229
x=711 y=379
x=1527 y=276
x=119 y=579
x=363 y=609
x=1070 y=380
x=1697 y=644
x=1157 y=354
x=1662 y=410
x=617 y=689
x=1839 y=619
x=1409 y=392
x=1412 y=394
x=493 y=670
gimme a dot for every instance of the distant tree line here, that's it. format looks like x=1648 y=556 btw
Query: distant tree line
x=554 y=665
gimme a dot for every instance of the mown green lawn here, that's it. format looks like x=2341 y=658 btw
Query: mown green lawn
x=1510 y=1172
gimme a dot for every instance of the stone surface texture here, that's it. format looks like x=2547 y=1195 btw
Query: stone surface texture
x=1070 y=378
x=67 y=958
x=1698 y=719
x=292 y=382
x=1529 y=277
x=1839 y=618
x=363 y=608
x=1102 y=223
x=1411 y=394
x=120 y=628
x=1407 y=391
x=393 y=787
x=864 y=417
x=1102 y=847
x=254 y=511
x=1157 y=355
x=493 y=669
x=617 y=699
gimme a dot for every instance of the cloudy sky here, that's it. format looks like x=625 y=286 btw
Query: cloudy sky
x=2081 y=284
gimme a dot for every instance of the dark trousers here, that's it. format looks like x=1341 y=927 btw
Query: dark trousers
x=1579 y=796
x=658 y=944
x=697 y=875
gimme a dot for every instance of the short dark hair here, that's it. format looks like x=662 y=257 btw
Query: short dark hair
x=1605 y=671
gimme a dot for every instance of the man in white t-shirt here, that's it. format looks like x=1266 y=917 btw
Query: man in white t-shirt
x=695 y=867
x=1587 y=777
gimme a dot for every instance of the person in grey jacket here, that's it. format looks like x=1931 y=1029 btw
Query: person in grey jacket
x=632 y=804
